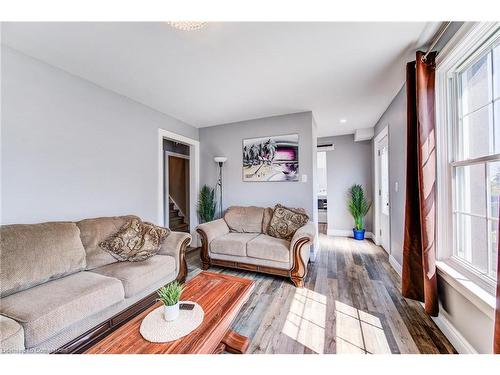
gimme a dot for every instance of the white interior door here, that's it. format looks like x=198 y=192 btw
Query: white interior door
x=383 y=193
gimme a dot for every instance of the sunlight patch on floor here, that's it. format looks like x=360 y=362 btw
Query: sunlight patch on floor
x=358 y=332
x=306 y=319
x=344 y=244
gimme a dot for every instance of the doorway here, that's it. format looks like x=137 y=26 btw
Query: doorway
x=182 y=154
x=177 y=186
x=382 y=197
x=322 y=192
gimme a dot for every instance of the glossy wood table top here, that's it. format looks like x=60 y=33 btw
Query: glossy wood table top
x=220 y=296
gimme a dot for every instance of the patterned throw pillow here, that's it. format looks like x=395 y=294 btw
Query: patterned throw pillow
x=135 y=241
x=286 y=221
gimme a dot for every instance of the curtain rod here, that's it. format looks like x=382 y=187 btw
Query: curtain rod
x=441 y=32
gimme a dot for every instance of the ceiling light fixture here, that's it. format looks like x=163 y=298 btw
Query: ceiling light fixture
x=187 y=25
x=343 y=120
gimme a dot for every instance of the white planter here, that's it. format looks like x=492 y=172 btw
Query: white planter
x=171 y=312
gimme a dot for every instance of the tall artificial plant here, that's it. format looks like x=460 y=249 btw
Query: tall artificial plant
x=358 y=206
x=206 y=204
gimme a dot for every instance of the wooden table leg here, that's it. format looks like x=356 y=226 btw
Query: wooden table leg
x=235 y=343
x=221 y=348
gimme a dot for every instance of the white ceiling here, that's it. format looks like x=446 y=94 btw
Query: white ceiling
x=230 y=72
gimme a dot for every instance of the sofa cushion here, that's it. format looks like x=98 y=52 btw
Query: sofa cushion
x=244 y=219
x=286 y=221
x=94 y=231
x=11 y=336
x=47 y=309
x=270 y=248
x=253 y=261
x=136 y=241
x=54 y=248
x=137 y=276
x=232 y=244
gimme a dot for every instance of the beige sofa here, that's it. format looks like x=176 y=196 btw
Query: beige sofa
x=61 y=292
x=239 y=240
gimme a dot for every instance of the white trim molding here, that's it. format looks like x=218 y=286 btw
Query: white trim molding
x=470 y=41
x=194 y=178
x=395 y=265
x=458 y=341
x=376 y=201
x=483 y=300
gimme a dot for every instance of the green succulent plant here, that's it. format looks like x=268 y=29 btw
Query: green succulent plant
x=358 y=206
x=170 y=294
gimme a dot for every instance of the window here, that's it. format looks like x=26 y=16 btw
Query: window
x=472 y=97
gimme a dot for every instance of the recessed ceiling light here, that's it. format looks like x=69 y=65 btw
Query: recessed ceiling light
x=187 y=25
x=343 y=120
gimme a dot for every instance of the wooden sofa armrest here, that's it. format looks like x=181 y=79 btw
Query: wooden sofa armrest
x=300 y=249
x=209 y=231
x=175 y=245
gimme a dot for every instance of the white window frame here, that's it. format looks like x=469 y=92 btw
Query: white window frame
x=466 y=45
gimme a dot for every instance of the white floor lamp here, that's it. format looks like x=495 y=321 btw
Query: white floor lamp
x=220 y=160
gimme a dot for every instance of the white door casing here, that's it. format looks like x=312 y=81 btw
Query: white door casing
x=382 y=191
x=194 y=178
x=383 y=196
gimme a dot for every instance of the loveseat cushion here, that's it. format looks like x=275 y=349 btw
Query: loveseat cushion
x=137 y=276
x=47 y=309
x=11 y=336
x=232 y=244
x=32 y=254
x=244 y=219
x=266 y=220
x=270 y=248
x=286 y=221
x=94 y=231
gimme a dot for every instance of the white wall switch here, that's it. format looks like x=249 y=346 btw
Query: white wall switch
x=396 y=186
x=304 y=178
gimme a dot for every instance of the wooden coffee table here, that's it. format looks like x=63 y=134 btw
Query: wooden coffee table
x=220 y=296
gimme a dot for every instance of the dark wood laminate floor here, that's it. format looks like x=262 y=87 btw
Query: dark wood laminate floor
x=351 y=303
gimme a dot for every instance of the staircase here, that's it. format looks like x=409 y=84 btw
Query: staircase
x=176 y=220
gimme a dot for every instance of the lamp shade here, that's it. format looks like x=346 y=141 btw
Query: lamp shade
x=220 y=159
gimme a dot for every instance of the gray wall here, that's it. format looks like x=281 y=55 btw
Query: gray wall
x=227 y=140
x=348 y=164
x=71 y=149
x=395 y=119
x=472 y=323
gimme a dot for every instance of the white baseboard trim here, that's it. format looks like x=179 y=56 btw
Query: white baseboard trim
x=453 y=335
x=395 y=264
x=345 y=233
x=458 y=341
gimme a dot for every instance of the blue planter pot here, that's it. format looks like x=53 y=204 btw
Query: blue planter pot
x=358 y=234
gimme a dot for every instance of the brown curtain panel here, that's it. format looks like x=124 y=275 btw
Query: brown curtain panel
x=419 y=259
x=496 y=335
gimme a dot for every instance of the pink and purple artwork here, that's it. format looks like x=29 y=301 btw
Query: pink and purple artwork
x=273 y=158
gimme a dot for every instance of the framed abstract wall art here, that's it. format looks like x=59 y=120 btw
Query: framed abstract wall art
x=273 y=158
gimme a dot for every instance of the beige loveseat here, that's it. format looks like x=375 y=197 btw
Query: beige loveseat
x=239 y=240
x=61 y=292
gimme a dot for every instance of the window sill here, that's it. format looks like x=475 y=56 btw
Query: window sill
x=470 y=290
